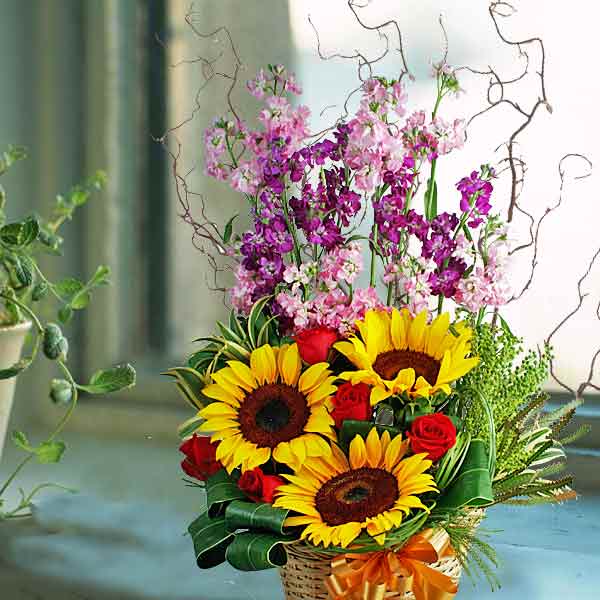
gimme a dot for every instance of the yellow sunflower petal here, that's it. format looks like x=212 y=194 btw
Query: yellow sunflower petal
x=395 y=452
x=216 y=392
x=417 y=331
x=218 y=409
x=313 y=377
x=398 y=332
x=378 y=394
x=244 y=374
x=263 y=364
x=290 y=364
x=373 y=447
x=357 y=452
x=259 y=457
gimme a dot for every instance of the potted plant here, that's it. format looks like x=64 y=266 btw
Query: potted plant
x=25 y=294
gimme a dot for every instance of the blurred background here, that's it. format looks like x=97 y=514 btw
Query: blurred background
x=88 y=84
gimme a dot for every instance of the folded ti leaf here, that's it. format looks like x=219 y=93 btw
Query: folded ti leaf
x=190 y=384
x=256 y=551
x=221 y=489
x=249 y=515
x=350 y=429
x=473 y=484
x=211 y=539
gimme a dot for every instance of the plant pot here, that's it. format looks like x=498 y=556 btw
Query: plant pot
x=11 y=345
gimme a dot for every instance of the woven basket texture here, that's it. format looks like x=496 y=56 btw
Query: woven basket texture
x=304 y=575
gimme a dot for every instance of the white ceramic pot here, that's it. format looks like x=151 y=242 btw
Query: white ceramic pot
x=11 y=345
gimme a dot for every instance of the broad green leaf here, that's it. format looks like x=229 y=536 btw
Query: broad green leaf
x=190 y=384
x=210 y=538
x=221 y=489
x=50 y=452
x=473 y=484
x=111 y=380
x=23 y=270
x=20 y=440
x=17 y=368
x=256 y=551
x=20 y=235
x=250 y=515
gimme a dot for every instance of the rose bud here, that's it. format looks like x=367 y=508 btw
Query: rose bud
x=433 y=434
x=258 y=486
x=352 y=402
x=200 y=457
x=314 y=344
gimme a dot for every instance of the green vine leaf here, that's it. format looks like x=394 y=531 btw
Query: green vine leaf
x=20 y=440
x=20 y=235
x=50 y=452
x=110 y=380
x=13 y=371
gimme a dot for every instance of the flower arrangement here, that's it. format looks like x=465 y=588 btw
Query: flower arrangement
x=366 y=400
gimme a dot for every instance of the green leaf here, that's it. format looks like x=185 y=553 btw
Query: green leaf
x=17 y=368
x=210 y=538
x=252 y=515
x=81 y=300
x=188 y=427
x=55 y=345
x=68 y=288
x=221 y=489
x=39 y=291
x=61 y=391
x=229 y=229
x=101 y=276
x=111 y=380
x=22 y=270
x=190 y=384
x=256 y=551
x=350 y=429
x=50 y=452
x=20 y=440
x=65 y=314
x=20 y=235
x=473 y=484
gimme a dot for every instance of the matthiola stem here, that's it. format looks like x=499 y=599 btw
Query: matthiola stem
x=291 y=229
x=389 y=293
x=373 y=255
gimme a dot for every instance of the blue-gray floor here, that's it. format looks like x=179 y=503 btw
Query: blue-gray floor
x=123 y=539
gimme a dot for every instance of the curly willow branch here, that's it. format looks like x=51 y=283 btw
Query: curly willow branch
x=205 y=234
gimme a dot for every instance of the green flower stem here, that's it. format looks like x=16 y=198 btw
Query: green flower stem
x=292 y=229
x=373 y=255
x=389 y=293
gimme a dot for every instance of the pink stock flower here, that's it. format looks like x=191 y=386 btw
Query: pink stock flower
x=246 y=178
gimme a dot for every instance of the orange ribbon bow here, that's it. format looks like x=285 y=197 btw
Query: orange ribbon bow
x=387 y=574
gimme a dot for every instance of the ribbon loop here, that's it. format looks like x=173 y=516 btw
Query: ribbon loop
x=387 y=575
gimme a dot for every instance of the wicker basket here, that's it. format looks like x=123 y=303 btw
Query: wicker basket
x=303 y=577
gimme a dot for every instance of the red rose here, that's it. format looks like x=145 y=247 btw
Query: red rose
x=258 y=486
x=314 y=344
x=352 y=402
x=200 y=457
x=434 y=434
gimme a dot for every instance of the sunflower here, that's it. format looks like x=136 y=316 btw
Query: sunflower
x=374 y=490
x=270 y=408
x=397 y=354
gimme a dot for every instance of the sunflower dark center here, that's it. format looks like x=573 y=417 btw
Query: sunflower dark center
x=272 y=414
x=389 y=364
x=356 y=495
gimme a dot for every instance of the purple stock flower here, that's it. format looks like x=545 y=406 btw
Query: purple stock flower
x=476 y=191
x=445 y=280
